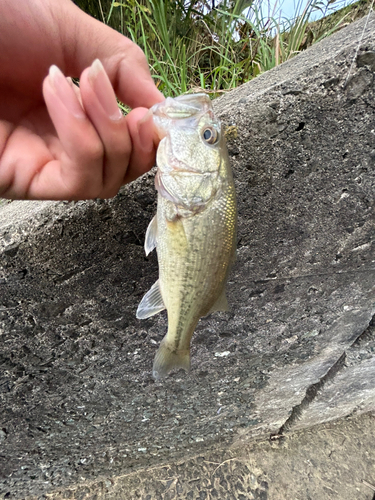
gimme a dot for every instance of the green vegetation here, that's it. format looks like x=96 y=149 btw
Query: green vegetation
x=215 y=46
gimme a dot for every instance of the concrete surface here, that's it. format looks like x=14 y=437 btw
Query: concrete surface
x=79 y=410
x=327 y=462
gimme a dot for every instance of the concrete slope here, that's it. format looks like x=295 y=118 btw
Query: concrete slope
x=77 y=401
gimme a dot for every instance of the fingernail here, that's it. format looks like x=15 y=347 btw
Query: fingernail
x=146 y=117
x=103 y=89
x=145 y=132
x=65 y=92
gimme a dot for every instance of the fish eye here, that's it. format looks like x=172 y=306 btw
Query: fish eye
x=210 y=135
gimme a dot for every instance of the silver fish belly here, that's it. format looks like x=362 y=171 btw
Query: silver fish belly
x=194 y=230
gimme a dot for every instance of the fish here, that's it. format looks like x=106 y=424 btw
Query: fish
x=194 y=229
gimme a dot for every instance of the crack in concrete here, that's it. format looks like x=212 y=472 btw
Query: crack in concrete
x=314 y=389
x=314 y=275
x=365 y=332
x=311 y=393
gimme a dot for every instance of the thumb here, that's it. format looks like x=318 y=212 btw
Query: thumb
x=125 y=63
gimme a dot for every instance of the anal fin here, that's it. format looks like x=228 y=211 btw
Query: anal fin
x=221 y=304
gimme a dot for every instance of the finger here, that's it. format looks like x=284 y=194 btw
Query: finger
x=145 y=141
x=76 y=172
x=124 y=62
x=101 y=106
x=76 y=90
x=133 y=83
x=123 y=138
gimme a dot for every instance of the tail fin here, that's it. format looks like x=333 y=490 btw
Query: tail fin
x=166 y=359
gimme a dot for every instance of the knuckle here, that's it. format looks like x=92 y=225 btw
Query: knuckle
x=132 y=52
x=94 y=152
x=138 y=54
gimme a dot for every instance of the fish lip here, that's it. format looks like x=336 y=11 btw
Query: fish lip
x=182 y=107
x=179 y=111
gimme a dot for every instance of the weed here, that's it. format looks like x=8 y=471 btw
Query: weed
x=213 y=46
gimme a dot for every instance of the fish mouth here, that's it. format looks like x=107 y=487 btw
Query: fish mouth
x=185 y=110
x=182 y=107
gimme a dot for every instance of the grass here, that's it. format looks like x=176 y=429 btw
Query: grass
x=192 y=46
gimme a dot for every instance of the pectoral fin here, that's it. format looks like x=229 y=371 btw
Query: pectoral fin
x=151 y=236
x=152 y=303
x=221 y=304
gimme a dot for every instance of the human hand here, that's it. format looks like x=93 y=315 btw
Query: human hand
x=74 y=143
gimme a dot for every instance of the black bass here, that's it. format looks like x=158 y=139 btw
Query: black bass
x=194 y=230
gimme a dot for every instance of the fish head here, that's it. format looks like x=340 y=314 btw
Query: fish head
x=190 y=152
